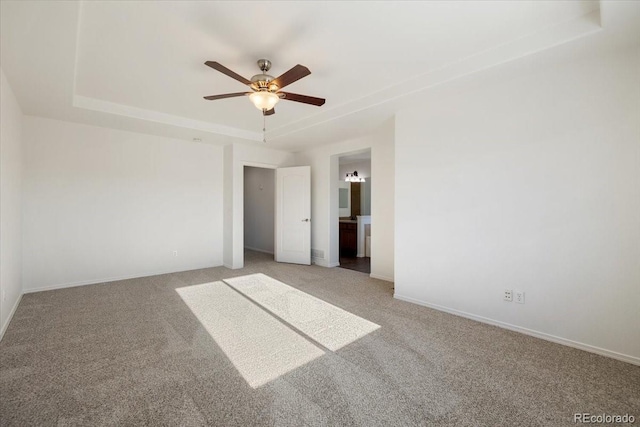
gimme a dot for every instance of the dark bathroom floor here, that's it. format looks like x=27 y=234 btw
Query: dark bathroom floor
x=358 y=264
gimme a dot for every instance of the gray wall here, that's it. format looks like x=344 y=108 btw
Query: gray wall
x=528 y=183
x=259 y=208
x=103 y=204
x=10 y=203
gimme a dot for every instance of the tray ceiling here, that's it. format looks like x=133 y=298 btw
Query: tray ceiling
x=139 y=65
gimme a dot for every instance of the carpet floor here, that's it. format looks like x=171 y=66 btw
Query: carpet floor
x=132 y=352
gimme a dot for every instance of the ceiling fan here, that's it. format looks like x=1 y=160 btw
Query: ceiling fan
x=267 y=89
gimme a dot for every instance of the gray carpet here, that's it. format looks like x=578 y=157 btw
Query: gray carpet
x=325 y=324
x=133 y=353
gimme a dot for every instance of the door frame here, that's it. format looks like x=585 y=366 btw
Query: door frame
x=273 y=201
x=334 y=209
x=238 y=226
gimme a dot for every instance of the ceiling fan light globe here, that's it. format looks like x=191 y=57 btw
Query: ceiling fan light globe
x=264 y=100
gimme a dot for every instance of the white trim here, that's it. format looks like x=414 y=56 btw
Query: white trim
x=11 y=313
x=258 y=165
x=477 y=62
x=558 y=340
x=100 y=105
x=112 y=279
x=258 y=250
x=319 y=261
x=377 y=276
x=323 y=262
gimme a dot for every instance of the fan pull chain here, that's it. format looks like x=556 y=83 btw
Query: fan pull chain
x=264 y=128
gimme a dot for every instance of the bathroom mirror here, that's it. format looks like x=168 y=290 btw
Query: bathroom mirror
x=344 y=198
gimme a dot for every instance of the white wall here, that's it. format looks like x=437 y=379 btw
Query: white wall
x=382 y=202
x=11 y=171
x=259 y=208
x=103 y=204
x=528 y=177
x=228 y=197
x=236 y=157
x=324 y=198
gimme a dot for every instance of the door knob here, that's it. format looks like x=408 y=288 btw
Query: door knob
x=306 y=220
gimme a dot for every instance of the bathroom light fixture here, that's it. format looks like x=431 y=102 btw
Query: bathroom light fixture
x=353 y=177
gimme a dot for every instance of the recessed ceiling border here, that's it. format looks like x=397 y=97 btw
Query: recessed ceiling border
x=524 y=46
x=529 y=44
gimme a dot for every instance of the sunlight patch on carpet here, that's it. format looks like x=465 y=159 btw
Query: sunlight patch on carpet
x=259 y=346
x=327 y=324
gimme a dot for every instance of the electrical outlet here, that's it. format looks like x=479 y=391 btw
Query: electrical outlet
x=518 y=296
x=508 y=295
x=175 y=253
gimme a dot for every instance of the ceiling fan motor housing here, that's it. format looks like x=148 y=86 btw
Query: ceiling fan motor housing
x=261 y=82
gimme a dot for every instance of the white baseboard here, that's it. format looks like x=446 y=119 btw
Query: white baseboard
x=558 y=340
x=230 y=267
x=323 y=262
x=11 y=313
x=319 y=261
x=258 y=250
x=377 y=276
x=111 y=279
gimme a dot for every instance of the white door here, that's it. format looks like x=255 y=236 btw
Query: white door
x=293 y=215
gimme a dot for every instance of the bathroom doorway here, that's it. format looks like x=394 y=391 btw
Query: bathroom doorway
x=354 y=211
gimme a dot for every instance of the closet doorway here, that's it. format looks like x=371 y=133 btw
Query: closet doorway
x=259 y=209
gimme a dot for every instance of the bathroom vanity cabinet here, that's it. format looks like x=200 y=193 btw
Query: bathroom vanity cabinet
x=348 y=238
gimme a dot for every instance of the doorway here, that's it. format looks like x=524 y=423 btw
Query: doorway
x=259 y=209
x=354 y=211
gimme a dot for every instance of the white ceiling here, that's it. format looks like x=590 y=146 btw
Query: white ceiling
x=138 y=65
